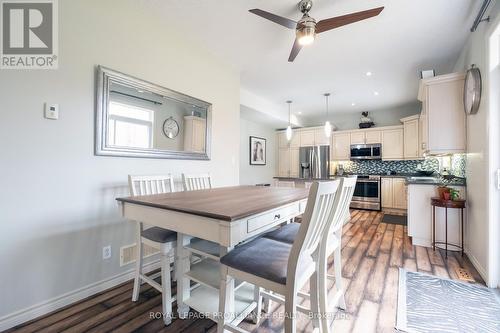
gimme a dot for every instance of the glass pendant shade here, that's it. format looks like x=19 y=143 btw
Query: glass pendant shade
x=289 y=133
x=328 y=129
x=289 y=128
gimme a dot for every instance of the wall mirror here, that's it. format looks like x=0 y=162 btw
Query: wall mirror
x=135 y=118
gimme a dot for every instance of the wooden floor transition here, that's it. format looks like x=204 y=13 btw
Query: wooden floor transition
x=372 y=252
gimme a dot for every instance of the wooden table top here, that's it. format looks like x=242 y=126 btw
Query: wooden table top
x=223 y=203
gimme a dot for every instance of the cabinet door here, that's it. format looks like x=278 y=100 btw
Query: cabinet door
x=284 y=162
x=341 y=146
x=387 y=192
x=294 y=162
x=307 y=138
x=320 y=138
x=399 y=193
x=283 y=142
x=392 y=144
x=373 y=136
x=357 y=138
x=411 y=139
x=422 y=133
x=295 y=141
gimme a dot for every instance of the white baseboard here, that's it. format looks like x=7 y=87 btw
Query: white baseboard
x=480 y=269
x=37 y=310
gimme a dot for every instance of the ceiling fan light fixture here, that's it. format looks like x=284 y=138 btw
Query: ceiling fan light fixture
x=306 y=35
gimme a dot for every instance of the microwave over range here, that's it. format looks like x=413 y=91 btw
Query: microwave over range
x=366 y=152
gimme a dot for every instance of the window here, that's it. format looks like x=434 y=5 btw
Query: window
x=130 y=126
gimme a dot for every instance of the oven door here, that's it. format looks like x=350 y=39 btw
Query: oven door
x=367 y=190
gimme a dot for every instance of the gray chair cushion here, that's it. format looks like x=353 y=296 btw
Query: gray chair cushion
x=286 y=233
x=262 y=257
x=160 y=235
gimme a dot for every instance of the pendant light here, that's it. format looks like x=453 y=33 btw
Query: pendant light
x=328 y=126
x=289 y=128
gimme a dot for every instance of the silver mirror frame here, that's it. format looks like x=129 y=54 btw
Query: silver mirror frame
x=104 y=77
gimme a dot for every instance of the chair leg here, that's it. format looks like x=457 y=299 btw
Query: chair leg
x=166 y=295
x=267 y=305
x=323 y=294
x=226 y=282
x=313 y=292
x=174 y=270
x=138 y=265
x=337 y=262
x=290 y=311
x=258 y=308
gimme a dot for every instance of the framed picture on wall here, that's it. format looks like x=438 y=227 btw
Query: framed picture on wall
x=257 y=151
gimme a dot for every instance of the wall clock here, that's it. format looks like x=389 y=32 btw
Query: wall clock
x=472 y=90
x=170 y=128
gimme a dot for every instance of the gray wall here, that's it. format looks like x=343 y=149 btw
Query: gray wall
x=57 y=206
x=255 y=174
x=385 y=117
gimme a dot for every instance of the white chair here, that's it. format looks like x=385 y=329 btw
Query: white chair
x=280 y=267
x=284 y=183
x=193 y=182
x=331 y=243
x=163 y=239
x=308 y=185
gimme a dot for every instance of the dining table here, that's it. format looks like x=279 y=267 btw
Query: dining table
x=210 y=223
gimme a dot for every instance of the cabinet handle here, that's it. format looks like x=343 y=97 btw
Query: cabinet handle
x=277 y=216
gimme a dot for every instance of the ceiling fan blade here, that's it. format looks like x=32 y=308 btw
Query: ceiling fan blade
x=291 y=24
x=335 y=22
x=295 y=50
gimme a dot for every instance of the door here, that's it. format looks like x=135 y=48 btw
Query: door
x=399 y=193
x=307 y=138
x=373 y=136
x=294 y=162
x=284 y=162
x=357 y=138
x=411 y=141
x=387 y=192
x=392 y=144
x=341 y=146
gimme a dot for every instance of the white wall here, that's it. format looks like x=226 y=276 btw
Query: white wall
x=256 y=174
x=481 y=131
x=57 y=206
x=385 y=117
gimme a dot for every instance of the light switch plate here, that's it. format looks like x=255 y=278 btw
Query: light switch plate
x=52 y=111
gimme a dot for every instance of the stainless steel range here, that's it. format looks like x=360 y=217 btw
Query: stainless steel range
x=367 y=193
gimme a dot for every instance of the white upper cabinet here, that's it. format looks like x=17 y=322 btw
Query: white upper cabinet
x=320 y=138
x=307 y=138
x=340 y=148
x=295 y=141
x=357 y=138
x=373 y=137
x=294 y=162
x=443 y=110
x=392 y=144
x=282 y=141
x=411 y=137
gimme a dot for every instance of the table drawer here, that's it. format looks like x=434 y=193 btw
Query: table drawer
x=272 y=217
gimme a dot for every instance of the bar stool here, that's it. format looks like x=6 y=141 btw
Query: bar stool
x=454 y=204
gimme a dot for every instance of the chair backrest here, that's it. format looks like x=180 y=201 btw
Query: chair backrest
x=344 y=197
x=146 y=185
x=321 y=206
x=284 y=183
x=193 y=182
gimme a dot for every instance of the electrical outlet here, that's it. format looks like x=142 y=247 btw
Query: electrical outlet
x=106 y=252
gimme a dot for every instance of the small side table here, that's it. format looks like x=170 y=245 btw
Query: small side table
x=459 y=204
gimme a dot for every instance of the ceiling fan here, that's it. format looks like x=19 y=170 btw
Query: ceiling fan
x=307 y=27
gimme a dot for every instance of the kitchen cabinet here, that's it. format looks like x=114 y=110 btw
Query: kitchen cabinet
x=307 y=138
x=373 y=137
x=357 y=138
x=340 y=149
x=392 y=144
x=320 y=138
x=194 y=134
x=282 y=141
x=294 y=162
x=393 y=191
x=288 y=162
x=444 y=117
x=411 y=136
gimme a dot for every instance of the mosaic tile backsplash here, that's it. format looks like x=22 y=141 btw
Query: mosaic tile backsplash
x=455 y=164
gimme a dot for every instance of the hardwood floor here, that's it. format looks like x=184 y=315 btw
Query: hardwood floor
x=372 y=252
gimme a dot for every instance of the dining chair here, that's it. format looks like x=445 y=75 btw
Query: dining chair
x=157 y=237
x=193 y=182
x=331 y=244
x=284 y=183
x=280 y=267
x=308 y=185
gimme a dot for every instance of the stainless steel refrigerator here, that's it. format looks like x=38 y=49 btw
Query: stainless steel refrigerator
x=314 y=162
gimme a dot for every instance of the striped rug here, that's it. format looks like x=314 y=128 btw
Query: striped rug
x=429 y=303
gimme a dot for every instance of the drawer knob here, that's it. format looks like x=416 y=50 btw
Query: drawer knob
x=277 y=216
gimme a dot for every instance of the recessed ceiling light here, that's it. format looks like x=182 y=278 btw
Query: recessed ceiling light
x=353 y=104
x=300 y=112
x=368 y=73
x=375 y=93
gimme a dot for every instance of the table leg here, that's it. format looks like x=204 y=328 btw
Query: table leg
x=228 y=293
x=462 y=220
x=446 y=231
x=183 y=266
x=434 y=228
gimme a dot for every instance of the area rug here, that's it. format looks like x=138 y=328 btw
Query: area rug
x=428 y=303
x=394 y=219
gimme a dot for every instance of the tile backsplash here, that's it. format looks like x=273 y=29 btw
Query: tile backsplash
x=455 y=164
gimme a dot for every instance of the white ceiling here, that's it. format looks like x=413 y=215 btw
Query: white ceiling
x=406 y=37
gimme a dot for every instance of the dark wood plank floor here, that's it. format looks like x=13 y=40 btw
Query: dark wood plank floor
x=372 y=252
